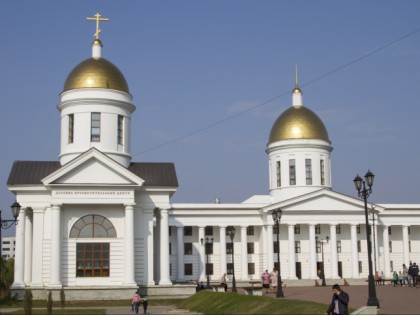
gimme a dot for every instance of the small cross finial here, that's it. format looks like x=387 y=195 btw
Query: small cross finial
x=296 y=83
x=97 y=18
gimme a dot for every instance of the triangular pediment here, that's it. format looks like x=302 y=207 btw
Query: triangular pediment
x=322 y=201
x=93 y=168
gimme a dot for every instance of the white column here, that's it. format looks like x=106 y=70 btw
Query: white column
x=149 y=259
x=164 y=248
x=375 y=230
x=55 y=280
x=20 y=251
x=129 y=278
x=244 y=254
x=354 y=253
x=406 y=249
x=222 y=231
x=292 y=254
x=334 y=254
x=387 y=267
x=202 y=251
x=312 y=251
x=270 y=248
x=180 y=252
x=28 y=248
x=37 y=241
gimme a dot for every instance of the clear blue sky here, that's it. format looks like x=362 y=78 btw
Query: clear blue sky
x=193 y=64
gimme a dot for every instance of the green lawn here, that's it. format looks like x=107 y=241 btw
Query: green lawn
x=207 y=302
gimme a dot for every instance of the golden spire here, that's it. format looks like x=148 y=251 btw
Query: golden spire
x=97 y=18
x=296 y=89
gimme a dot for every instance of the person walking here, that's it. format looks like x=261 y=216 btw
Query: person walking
x=394 y=279
x=340 y=302
x=265 y=277
x=135 y=302
x=415 y=273
x=405 y=274
x=410 y=274
x=145 y=305
x=273 y=278
x=223 y=281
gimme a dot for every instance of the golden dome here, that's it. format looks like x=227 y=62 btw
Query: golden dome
x=298 y=122
x=96 y=73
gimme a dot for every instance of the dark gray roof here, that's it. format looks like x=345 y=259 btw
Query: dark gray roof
x=31 y=173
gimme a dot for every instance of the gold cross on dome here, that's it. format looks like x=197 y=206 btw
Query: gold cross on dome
x=97 y=18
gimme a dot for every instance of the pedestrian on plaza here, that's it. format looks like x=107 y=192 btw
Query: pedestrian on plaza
x=265 y=277
x=405 y=274
x=135 y=302
x=394 y=279
x=410 y=274
x=401 y=279
x=223 y=281
x=273 y=278
x=340 y=302
x=415 y=273
x=144 y=305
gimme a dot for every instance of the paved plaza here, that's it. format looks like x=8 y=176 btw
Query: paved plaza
x=393 y=300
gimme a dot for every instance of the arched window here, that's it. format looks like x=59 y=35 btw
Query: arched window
x=93 y=226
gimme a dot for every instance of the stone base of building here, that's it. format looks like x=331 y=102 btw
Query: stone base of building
x=94 y=293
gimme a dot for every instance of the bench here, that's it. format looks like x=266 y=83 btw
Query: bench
x=253 y=290
x=218 y=288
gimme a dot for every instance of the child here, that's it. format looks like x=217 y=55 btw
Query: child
x=135 y=302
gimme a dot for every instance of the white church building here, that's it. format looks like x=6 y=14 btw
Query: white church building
x=100 y=225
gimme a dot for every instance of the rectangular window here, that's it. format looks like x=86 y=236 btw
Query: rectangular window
x=318 y=229
x=229 y=248
x=338 y=246
x=297 y=246
x=250 y=230
x=297 y=229
x=278 y=170
x=95 y=127
x=251 y=268
x=359 y=246
x=229 y=268
x=120 y=129
x=338 y=228
x=170 y=248
x=292 y=172
x=187 y=230
x=71 y=128
x=188 y=249
x=390 y=246
x=208 y=230
x=308 y=170
x=360 y=267
x=92 y=259
x=322 y=167
x=409 y=246
x=250 y=248
x=188 y=269
x=391 y=265
x=209 y=269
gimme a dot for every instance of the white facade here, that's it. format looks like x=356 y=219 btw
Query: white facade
x=97 y=221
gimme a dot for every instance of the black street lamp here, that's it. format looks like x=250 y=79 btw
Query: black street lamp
x=5 y=224
x=321 y=242
x=231 y=232
x=206 y=242
x=364 y=193
x=276 y=217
